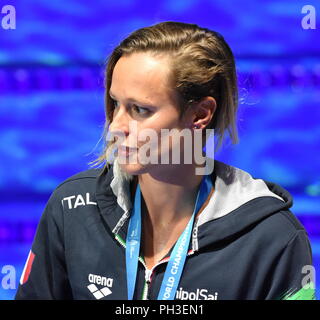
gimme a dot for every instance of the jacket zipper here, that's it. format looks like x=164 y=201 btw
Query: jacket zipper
x=123 y=244
x=148 y=272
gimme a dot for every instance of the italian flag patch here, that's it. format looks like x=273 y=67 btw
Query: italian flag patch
x=27 y=268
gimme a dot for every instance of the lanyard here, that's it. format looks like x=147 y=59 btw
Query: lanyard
x=178 y=256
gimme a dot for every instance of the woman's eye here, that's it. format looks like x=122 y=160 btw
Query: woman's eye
x=135 y=109
x=115 y=103
x=140 y=110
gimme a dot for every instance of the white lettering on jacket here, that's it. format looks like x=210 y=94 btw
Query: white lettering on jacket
x=200 y=294
x=78 y=200
x=104 y=281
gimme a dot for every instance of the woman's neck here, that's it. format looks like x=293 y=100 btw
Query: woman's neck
x=167 y=206
x=171 y=197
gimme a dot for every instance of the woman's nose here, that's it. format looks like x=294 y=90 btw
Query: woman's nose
x=119 y=124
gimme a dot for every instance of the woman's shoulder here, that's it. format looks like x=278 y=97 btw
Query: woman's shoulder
x=78 y=184
x=82 y=175
x=242 y=204
x=282 y=226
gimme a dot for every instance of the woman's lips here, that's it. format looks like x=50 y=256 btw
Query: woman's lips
x=125 y=151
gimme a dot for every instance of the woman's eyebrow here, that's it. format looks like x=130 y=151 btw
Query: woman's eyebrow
x=144 y=103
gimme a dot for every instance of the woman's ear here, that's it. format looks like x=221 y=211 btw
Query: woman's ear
x=203 y=112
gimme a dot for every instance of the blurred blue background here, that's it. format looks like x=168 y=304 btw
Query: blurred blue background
x=52 y=108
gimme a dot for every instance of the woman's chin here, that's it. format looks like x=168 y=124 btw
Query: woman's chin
x=133 y=169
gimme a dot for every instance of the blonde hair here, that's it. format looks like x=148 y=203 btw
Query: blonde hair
x=202 y=65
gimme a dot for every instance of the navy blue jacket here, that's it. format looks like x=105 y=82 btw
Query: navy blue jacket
x=246 y=244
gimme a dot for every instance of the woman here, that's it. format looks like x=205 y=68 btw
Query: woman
x=149 y=227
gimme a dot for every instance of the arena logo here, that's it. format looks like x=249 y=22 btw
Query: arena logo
x=309 y=20
x=9 y=277
x=8 y=21
x=148 y=146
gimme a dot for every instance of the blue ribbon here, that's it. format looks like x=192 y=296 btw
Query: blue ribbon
x=133 y=244
x=178 y=256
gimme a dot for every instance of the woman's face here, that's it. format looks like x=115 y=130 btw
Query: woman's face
x=143 y=100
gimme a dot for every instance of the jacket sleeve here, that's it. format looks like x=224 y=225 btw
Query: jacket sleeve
x=45 y=275
x=293 y=276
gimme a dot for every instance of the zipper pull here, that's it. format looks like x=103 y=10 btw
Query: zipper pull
x=148 y=274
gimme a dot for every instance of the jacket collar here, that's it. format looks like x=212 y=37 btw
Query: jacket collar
x=238 y=198
x=115 y=201
x=107 y=199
